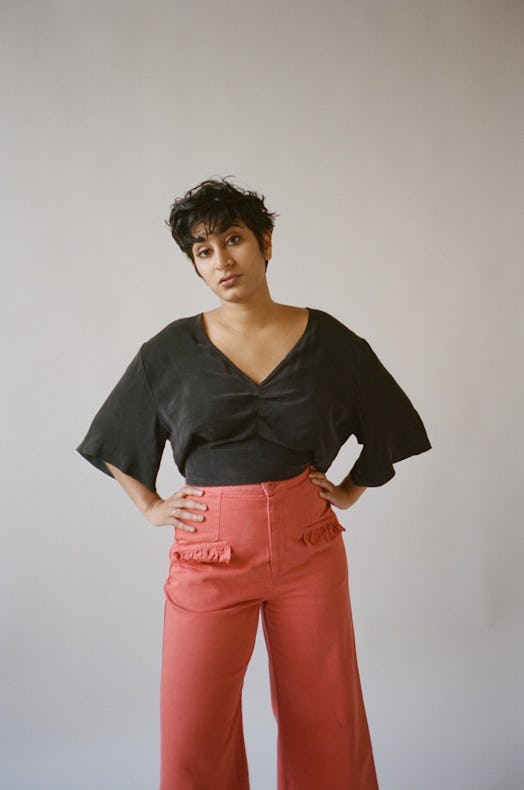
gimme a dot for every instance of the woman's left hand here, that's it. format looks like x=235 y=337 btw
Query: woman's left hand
x=341 y=496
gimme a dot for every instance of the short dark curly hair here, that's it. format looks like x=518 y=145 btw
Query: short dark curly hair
x=218 y=204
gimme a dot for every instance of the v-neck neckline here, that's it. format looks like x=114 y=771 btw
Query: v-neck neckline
x=204 y=336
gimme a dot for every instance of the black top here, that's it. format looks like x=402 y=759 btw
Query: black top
x=225 y=429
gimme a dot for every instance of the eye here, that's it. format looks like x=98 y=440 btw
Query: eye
x=203 y=253
x=233 y=239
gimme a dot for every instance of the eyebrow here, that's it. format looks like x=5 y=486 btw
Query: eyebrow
x=222 y=229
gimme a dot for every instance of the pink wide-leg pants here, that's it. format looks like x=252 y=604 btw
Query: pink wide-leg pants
x=272 y=548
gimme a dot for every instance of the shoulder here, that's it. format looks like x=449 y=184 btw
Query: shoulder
x=334 y=330
x=170 y=343
x=175 y=332
x=341 y=349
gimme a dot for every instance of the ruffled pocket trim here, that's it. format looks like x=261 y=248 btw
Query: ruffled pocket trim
x=214 y=551
x=323 y=533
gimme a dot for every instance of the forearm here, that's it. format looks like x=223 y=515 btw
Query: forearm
x=178 y=510
x=352 y=489
x=142 y=496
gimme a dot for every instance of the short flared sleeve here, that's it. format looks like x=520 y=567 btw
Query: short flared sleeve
x=127 y=430
x=386 y=422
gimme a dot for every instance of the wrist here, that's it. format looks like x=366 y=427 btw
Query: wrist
x=351 y=489
x=149 y=505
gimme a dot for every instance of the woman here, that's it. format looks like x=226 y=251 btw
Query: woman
x=256 y=399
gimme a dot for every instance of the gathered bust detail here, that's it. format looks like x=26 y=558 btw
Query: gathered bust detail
x=225 y=429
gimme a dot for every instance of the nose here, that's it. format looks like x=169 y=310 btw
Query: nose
x=222 y=259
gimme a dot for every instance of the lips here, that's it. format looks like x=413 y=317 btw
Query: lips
x=229 y=280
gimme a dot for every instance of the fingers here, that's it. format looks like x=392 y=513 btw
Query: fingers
x=182 y=526
x=188 y=491
x=178 y=513
x=320 y=479
x=327 y=488
x=180 y=507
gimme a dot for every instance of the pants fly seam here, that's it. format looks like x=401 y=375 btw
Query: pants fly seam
x=269 y=539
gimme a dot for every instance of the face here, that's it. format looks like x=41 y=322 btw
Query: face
x=230 y=261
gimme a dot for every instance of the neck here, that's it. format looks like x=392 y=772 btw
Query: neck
x=250 y=315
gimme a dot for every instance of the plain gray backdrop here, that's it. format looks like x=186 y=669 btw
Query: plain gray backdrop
x=386 y=136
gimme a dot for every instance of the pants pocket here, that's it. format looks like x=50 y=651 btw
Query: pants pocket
x=323 y=533
x=214 y=551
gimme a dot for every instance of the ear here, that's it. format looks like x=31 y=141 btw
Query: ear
x=267 y=236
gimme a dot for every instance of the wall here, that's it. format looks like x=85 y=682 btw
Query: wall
x=386 y=136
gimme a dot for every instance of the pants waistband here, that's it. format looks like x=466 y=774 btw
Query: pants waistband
x=261 y=490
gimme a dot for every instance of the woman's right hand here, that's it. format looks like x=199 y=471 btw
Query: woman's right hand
x=176 y=510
